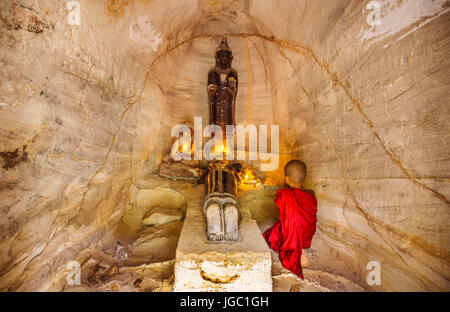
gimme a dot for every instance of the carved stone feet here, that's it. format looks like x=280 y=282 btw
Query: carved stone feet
x=222 y=219
x=231 y=217
x=214 y=222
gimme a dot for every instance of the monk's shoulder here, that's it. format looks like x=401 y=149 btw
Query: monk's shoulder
x=280 y=194
x=313 y=199
x=282 y=191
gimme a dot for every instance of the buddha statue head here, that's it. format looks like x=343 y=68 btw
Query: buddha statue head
x=224 y=55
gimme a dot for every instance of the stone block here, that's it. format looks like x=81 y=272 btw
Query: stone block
x=201 y=265
x=161 y=215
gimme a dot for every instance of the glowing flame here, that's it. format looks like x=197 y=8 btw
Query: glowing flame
x=220 y=148
x=184 y=147
x=249 y=181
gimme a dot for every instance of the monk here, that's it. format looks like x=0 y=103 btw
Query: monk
x=297 y=225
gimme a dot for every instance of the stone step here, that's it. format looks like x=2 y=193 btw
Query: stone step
x=314 y=280
x=200 y=265
x=161 y=215
x=157 y=243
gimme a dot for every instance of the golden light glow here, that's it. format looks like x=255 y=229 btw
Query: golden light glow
x=184 y=147
x=249 y=181
x=220 y=148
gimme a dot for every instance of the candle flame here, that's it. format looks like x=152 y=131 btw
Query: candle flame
x=220 y=149
x=184 y=147
x=249 y=181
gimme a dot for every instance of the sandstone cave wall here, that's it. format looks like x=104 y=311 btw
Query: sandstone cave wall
x=369 y=108
x=72 y=100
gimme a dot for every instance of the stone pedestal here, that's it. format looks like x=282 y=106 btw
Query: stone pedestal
x=200 y=265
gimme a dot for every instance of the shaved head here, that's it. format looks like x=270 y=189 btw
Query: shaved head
x=295 y=170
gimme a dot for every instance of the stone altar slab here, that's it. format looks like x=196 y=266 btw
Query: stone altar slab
x=200 y=265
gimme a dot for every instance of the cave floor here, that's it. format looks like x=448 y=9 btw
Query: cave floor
x=158 y=277
x=150 y=265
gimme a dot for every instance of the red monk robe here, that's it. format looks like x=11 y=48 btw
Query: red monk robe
x=295 y=229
